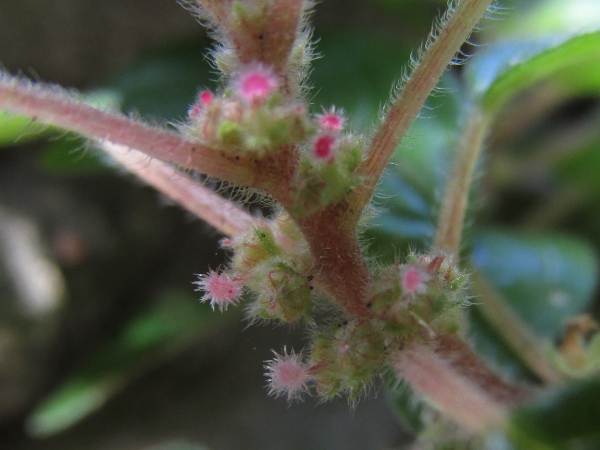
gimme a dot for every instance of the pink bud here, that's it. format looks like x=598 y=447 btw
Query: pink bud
x=288 y=375
x=220 y=289
x=332 y=120
x=324 y=147
x=413 y=280
x=206 y=97
x=256 y=83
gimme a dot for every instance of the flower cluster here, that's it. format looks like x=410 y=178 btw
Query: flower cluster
x=327 y=167
x=251 y=116
x=423 y=290
x=407 y=300
x=269 y=264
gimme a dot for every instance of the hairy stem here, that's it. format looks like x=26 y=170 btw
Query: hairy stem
x=56 y=107
x=340 y=265
x=222 y=214
x=455 y=394
x=405 y=108
x=453 y=377
x=456 y=196
x=513 y=331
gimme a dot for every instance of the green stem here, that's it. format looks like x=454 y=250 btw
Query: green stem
x=456 y=196
x=526 y=345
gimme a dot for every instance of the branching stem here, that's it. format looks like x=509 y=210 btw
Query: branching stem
x=411 y=99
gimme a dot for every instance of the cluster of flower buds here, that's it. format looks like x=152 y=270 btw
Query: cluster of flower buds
x=327 y=167
x=407 y=300
x=346 y=356
x=253 y=117
x=276 y=277
x=420 y=293
x=250 y=117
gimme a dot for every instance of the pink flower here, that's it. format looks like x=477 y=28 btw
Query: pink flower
x=256 y=83
x=204 y=99
x=221 y=289
x=288 y=375
x=324 y=147
x=413 y=280
x=332 y=120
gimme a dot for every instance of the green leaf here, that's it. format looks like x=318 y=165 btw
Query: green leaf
x=175 y=323
x=72 y=155
x=568 y=418
x=356 y=72
x=502 y=71
x=164 y=82
x=544 y=278
x=410 y=408
x=18 y=129
x=551 y=17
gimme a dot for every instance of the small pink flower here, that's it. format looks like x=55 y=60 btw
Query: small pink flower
x=256 y=83
x=413 y=280
x=332 y=120
x=324 y=147
x=220 y=289
x=204 y=99
x=288 y=375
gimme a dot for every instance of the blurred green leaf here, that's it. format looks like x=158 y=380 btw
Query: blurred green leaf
x=544 y=278
x=175 y=323
x=501 y=71
x=72 y=155
x=409 y=407
x=18 y=129
x=493 y=350
x=566 y=418
x=536 y=18
x=163 y=83
x=579 y=167
x=356 y=72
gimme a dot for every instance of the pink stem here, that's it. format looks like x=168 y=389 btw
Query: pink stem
x=56 y=107
x=453 y=393
x=222 y=214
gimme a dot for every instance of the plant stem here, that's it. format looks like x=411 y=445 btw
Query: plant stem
x=338 y=260
x=222 y=214
x=456 y=195
x=405 y=108
x=55 y=106
x=512 y=330
x=455 y=394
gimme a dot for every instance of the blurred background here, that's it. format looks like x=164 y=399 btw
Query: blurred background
x=103 y=343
